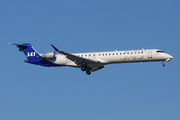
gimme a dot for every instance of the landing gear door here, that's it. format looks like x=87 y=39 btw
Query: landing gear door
x=149 y=54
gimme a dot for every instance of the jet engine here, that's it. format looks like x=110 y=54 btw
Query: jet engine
x=49 y=55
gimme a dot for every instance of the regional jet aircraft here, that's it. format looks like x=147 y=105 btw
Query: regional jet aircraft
x=91 y=61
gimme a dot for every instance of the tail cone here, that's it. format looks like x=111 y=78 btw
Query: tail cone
x=26 y=60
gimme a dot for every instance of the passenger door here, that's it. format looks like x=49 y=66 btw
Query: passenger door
x=149 y=54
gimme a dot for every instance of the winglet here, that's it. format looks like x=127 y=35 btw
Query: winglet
x=55 y=48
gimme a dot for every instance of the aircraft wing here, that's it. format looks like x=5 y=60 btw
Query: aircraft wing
x=95 y=65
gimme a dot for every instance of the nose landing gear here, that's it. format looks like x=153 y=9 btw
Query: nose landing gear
x=163 y=63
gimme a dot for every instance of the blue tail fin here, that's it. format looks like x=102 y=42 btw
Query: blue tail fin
x=31 y=54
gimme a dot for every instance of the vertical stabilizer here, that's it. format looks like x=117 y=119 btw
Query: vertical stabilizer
x=31 y=54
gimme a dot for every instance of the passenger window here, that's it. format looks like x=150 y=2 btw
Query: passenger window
x=116 y=53
x=109 y=53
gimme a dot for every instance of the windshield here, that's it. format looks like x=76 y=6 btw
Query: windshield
x=159 y=51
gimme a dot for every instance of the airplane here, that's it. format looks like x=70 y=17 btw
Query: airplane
x=91 y=61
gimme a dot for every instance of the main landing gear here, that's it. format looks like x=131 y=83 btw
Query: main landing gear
x=85 y=68
x=88 y=72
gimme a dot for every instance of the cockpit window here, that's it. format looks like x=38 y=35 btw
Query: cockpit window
x=160 y=51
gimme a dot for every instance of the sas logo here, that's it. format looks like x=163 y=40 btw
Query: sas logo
x=31 y=54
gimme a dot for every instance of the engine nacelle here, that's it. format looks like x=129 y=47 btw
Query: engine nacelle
x=49 y=55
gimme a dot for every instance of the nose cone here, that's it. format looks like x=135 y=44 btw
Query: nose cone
x=171 y=57
x=26 y=60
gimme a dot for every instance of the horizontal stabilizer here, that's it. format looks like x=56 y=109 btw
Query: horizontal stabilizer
x=19 y=45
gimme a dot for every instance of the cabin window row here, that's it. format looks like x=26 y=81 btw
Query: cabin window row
x=112 y=54
x=121 y=53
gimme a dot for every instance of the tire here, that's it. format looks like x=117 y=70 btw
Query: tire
x=88 y=72
x=83 y=69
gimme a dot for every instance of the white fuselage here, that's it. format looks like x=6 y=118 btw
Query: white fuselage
x=109 y=57
x=91 y=61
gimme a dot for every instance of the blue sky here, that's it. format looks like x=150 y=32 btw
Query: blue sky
x=119 y=91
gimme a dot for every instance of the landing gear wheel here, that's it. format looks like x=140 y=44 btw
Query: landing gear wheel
x=163 y=65
x=84 y=67
x=88 y=72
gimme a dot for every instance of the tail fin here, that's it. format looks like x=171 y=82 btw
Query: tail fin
x=31 y=54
